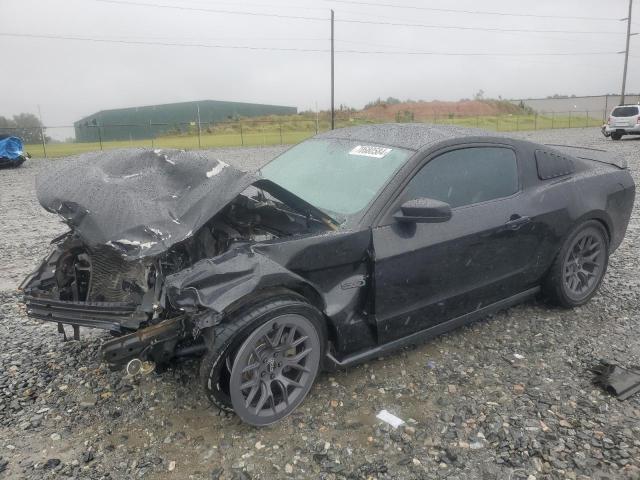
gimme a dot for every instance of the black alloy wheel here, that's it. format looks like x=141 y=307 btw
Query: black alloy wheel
x=274 y=369
x=579 y=267
x=584 y=264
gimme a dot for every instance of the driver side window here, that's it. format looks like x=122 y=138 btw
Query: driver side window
x=466 y=176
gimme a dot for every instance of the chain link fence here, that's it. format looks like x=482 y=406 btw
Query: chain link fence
x=289 y=130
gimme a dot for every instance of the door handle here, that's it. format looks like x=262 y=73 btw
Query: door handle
x=517 y=222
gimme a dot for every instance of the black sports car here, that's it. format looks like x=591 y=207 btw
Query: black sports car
x=348 y=245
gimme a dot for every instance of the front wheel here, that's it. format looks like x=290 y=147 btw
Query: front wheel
x=275 y=368
x=580 y=266
x=262 y=361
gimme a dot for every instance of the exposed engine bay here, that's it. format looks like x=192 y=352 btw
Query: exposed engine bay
x=79 y=273
x=97 y=286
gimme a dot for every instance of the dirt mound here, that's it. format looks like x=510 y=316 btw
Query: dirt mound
x=428 y=110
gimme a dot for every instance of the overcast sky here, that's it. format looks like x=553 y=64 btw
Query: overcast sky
x=70 y=79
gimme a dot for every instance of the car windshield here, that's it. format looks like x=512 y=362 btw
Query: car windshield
x=339 y=177
x=624 y=112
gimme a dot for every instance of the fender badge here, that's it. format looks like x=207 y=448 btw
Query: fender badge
x=355 y=282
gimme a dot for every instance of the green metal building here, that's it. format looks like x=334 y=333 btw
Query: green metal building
x=150 y=121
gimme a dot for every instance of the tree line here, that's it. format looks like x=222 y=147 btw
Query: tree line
x=27 y=126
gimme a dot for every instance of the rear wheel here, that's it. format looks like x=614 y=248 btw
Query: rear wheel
x=616 y=136
x=580 y=266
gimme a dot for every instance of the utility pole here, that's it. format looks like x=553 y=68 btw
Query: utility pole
x=332 y=91
x=626 y=54
x=44 y=143
x=199 y=141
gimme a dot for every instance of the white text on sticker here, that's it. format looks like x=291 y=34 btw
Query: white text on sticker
x=370 y=151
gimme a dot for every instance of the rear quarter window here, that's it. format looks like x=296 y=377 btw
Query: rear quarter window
x=552 y=165
x=624 y=112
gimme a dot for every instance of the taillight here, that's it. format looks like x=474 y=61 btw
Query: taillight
x=638 y=120
x=609 y=120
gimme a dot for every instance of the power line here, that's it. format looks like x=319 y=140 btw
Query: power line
x=472 y=12
x=212 y=10
x=293 y=49
x=262 y=5
x=475 y=54
x=366 y=22
x=482 y=29
x=158 y=43
x=166 y=38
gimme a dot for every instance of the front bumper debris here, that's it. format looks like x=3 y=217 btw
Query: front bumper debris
x=117 y=317
x=156 y=343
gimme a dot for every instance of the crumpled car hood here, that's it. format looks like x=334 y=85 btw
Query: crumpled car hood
x=139 y=201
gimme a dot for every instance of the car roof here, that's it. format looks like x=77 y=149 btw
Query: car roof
x=412 y=136
x=624 y=106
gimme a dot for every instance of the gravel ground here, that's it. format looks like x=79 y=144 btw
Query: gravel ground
x=509 y=397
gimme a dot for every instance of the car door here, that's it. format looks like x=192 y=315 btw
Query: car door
x=427 y=273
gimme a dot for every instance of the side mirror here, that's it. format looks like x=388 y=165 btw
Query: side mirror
x=424 y=210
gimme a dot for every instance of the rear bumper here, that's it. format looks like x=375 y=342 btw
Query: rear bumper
x=634 y=130
x=112 y=316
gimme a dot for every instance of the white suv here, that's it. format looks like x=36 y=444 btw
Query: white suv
x=624 y=120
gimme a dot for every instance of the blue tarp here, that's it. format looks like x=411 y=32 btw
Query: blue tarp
x=11 y=148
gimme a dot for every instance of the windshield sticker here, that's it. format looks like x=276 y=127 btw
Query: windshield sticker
x=370 y=151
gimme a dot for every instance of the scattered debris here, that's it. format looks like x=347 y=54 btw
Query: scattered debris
x=618 y=381
x=390 y=418
x=52 y=463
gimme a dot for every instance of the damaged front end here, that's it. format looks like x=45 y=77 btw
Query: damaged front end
x=137 y=219
x=95 y=287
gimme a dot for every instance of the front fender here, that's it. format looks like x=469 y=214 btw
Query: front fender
x=218 y=282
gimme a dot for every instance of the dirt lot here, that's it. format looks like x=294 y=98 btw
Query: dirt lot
x=506 y=398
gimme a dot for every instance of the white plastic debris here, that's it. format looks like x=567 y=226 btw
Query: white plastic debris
x=217 y=169
x=389 y=418
x=518 y=356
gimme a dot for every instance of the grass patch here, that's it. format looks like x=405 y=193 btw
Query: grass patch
x=291 y=130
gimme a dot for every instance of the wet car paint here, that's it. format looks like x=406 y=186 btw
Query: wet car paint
x=377 y=280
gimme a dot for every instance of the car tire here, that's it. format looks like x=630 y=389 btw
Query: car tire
x=225 y=340
x=579 y=267
x=616 y=136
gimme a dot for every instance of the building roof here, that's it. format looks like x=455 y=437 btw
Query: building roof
x=413 y=136
x=201 y=103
